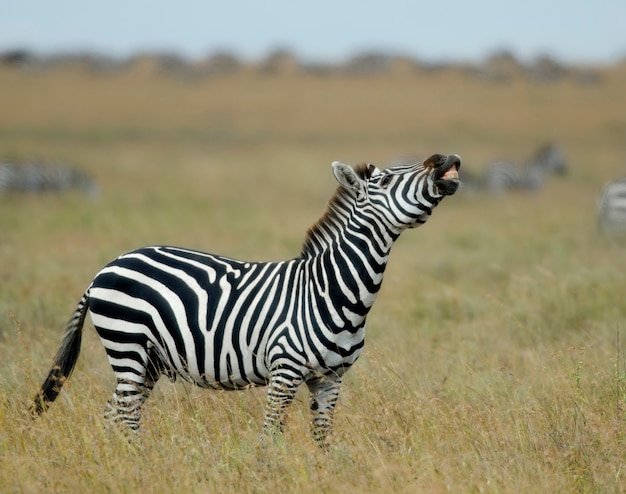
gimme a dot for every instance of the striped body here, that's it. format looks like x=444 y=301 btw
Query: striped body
x=612 y=207
x=529 y=176
x=224 y=323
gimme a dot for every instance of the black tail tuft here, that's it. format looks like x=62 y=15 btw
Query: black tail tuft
x=64 y=360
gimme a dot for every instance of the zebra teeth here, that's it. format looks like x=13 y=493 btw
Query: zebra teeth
x=451 y=174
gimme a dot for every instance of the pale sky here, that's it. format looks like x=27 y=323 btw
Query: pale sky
x=444 y=30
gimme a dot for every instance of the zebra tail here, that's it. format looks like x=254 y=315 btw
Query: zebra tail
x=64 y=360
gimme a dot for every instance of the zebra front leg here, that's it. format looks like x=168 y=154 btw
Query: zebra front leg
x=282 y=389
x=324 y=392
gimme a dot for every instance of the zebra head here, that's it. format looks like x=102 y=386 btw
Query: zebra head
x=401 y=196
x=550 y=158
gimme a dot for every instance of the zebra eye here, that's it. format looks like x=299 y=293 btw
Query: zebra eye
x=385 y=181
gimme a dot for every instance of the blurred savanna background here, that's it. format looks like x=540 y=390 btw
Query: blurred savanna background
x=495 y=354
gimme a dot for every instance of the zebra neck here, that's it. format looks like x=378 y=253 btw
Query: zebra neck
x=348 y=253
x=343 y=223
x=346 y=278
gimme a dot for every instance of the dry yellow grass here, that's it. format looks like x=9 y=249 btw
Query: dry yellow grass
x=495 y=354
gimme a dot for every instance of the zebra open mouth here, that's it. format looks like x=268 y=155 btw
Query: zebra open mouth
x=447 y=174
x=451 y=174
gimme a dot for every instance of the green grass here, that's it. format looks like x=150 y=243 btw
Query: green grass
x=496 y=351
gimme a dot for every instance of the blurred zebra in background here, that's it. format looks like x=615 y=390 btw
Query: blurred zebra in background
x=528 y=176
x=36 y=176
x=227 y=324
x=612 y=207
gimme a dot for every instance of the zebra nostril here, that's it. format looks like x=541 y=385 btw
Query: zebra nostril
x=453 y=160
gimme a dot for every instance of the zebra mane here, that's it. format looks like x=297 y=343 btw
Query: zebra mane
x=336 y=208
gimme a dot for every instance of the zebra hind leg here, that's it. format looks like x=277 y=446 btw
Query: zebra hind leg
x=124 y=407
x=324 y=392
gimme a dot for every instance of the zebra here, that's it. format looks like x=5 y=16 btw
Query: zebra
x=612 y=207
x=529 y=176
x=223 y=323
x=37 y=176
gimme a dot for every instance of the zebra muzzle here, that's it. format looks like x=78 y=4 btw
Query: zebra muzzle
x=447 y=174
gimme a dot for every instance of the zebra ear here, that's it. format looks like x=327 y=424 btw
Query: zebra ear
x=347 y=177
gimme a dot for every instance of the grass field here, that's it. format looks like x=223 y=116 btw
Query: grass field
x=496 y=351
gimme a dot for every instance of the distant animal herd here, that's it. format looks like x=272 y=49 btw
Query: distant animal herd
x=497 y=178
x=529 y=175
x=503 y=176
x=37 y=176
